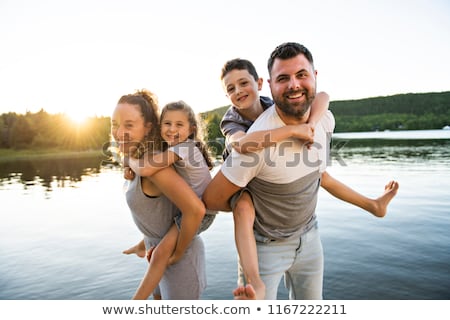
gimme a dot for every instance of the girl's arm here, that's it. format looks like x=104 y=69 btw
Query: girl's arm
x=149 y=164
x=257 y=140
x=185 y=199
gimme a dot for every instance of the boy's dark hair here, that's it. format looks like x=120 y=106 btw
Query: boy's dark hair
x=288 y=50
x=239 y=64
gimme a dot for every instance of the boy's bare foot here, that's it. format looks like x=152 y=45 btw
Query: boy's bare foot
x=244 y=293
x=137 y=249
x=381 y=203
x=259 y=287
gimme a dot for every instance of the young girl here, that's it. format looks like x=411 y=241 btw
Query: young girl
x=242 y=85
x=188 y=154
x=154 y=203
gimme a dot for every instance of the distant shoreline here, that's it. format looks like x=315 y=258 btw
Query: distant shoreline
x=26 y=154
x=395 y=134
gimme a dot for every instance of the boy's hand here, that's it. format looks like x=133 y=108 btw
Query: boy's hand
x=304 y=132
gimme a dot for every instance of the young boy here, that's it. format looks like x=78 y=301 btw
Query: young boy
x=242 y=85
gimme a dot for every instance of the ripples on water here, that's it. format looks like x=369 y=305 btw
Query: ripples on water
x=63 y=228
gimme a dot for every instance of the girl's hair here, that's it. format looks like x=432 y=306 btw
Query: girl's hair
x=239 y=64
x=148 y=104
x=196 y=134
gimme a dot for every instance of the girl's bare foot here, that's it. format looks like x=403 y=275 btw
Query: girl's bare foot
x=244 y=293
x=381 y=203
x=138 y=249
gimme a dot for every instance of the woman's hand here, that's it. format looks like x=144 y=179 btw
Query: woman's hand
x=128 y=173
x=174 y=258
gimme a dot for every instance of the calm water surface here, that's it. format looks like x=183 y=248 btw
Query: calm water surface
x=63 y=226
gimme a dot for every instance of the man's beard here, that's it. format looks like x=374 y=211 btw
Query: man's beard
x=298 y=109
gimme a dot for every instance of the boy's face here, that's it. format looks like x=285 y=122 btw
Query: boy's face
x=241 y=88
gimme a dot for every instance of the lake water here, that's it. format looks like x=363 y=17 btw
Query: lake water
x=64 y=224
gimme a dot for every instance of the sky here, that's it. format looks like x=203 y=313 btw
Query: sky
x=78 y=57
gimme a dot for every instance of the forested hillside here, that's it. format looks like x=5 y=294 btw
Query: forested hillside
x=412 y=111
x=42 y=130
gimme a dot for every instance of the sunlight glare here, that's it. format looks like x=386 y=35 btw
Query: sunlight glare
x=77 y=118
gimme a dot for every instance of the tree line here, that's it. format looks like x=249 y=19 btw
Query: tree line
x=52 y=131
x=411 y=111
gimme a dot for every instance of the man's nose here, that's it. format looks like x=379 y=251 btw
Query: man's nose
x=294 y=83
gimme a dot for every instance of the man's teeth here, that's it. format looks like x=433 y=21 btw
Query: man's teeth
x=295 y=96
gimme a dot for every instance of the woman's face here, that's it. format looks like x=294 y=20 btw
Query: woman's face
x=127 y=127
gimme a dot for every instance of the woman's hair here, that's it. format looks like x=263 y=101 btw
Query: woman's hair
x=239 y=64
x=148 y=105
x=196 y=134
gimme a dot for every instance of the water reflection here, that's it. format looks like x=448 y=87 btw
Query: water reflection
x=73 y=242
x=66 y=172
x=379 y=150
x=48 y=172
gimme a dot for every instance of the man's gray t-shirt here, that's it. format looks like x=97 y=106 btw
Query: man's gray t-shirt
x=284 y=179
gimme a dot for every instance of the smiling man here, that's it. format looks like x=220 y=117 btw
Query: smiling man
x=283 y=181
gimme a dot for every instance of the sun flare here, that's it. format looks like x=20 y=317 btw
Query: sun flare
x=77 y=118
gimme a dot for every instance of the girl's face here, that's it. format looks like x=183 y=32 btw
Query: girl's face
x=127 y=127
x=175 y=127
x=241 y=88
